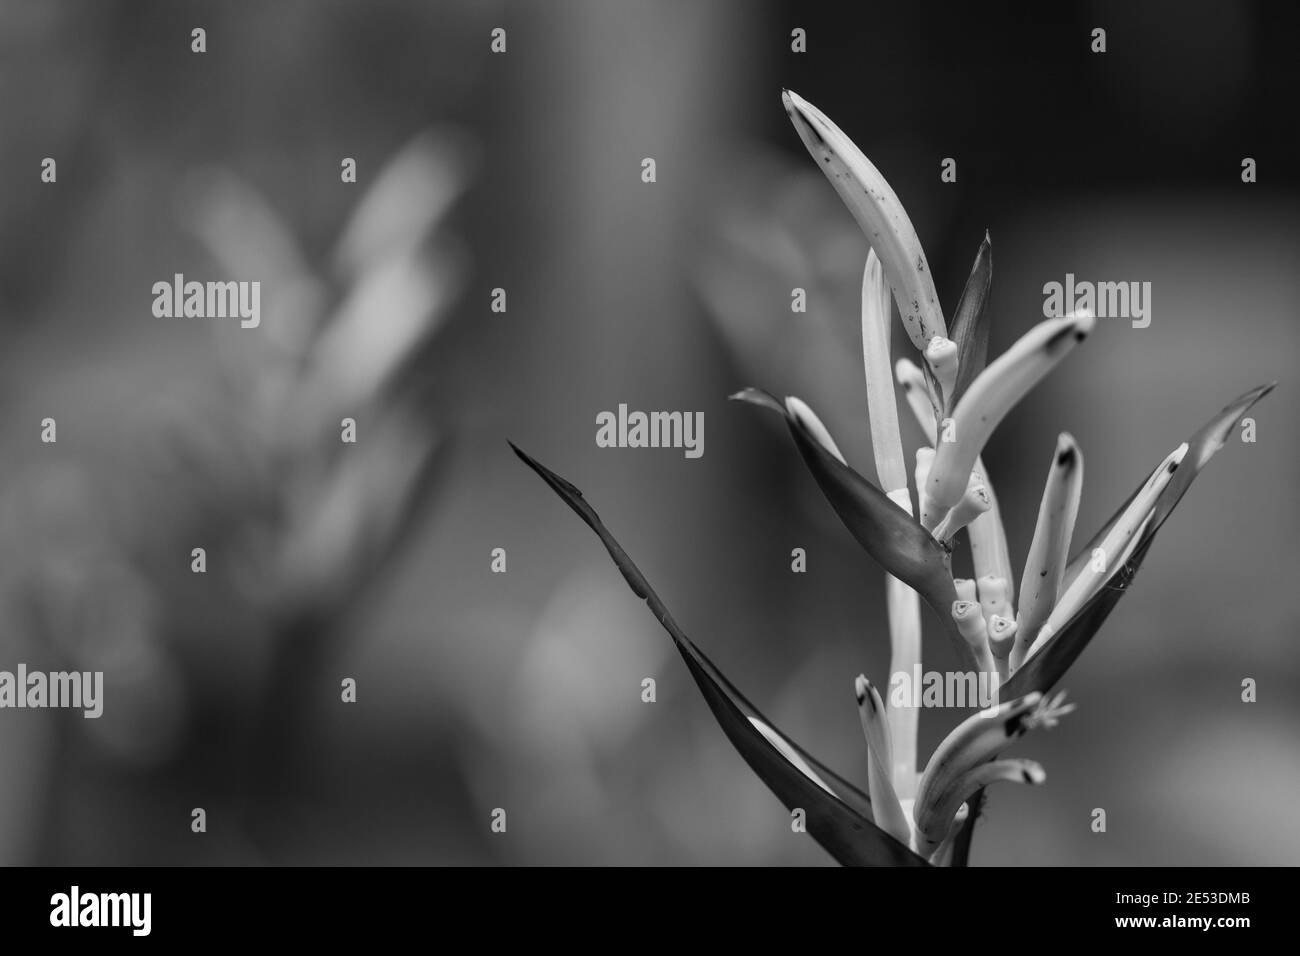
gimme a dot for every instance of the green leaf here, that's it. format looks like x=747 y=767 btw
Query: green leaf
x=893 y=538
x=1046 y=666
x=838 y=814
x=970 y=327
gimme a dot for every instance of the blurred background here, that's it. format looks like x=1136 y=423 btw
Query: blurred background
x=522 y=171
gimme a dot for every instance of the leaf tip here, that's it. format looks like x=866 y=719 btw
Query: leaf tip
x=756 y=396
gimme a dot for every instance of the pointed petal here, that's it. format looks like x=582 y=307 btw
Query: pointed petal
x=887 y=810
x=1113 y=551
x=1045 y=565
x=838 y=814
x=878 y=211
x=1049 y=662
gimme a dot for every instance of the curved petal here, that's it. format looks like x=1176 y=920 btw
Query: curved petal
x=879 y=213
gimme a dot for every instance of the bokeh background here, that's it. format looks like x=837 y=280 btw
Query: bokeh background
x=521 y=171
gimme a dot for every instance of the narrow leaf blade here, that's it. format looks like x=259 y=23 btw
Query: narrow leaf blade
x=970 y=325
x=839 y=820
x=893 y=538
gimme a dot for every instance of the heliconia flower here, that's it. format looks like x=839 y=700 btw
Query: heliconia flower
x=909 y=817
